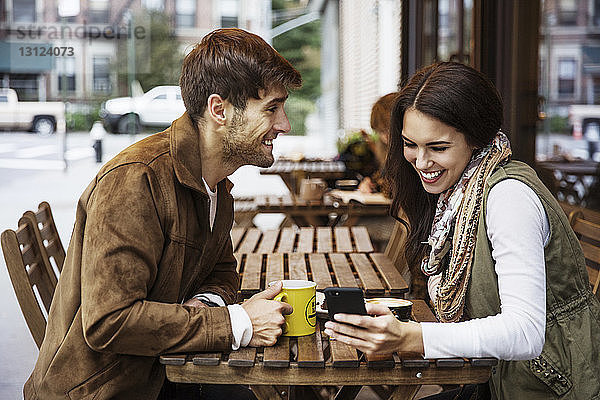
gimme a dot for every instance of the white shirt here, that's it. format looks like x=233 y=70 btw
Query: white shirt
x=241 y=325
x=518 y=230
x=212 y=200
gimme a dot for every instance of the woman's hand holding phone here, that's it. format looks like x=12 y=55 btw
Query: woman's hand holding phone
x=379 y=332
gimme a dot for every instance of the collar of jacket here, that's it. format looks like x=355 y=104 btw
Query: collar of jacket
x=185 y=148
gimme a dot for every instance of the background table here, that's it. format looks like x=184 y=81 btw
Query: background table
x=314 y=361
x=345 y=211
x=292 y=172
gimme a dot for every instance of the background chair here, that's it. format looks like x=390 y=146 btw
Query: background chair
x=32 y=276
x=588 y=233
x=588 y=214
x=49 y=234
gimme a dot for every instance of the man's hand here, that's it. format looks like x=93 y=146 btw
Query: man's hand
x=267 y=316
x=194 y=302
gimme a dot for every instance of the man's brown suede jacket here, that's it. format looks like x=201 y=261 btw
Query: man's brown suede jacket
x=141 y=246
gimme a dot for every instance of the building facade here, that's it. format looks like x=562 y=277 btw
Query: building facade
x=67 y=49
x=570 y=54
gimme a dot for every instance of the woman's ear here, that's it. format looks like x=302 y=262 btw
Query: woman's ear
x=216 y=109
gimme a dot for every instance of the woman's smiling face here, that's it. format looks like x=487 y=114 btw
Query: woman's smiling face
x=438 y=152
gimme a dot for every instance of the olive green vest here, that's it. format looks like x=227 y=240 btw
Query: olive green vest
x=569 y=366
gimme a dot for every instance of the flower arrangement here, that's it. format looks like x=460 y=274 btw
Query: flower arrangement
x=354 y=149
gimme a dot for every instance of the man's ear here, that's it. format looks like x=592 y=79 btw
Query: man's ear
x=216 y=109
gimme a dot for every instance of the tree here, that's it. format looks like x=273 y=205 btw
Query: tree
x=301 y=47
x=156 y=64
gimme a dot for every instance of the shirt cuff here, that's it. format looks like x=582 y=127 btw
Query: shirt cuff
x=211 y=298
x=241 y=326
x=431 y=335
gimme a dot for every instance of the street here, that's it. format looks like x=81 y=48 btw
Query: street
x=32 y=170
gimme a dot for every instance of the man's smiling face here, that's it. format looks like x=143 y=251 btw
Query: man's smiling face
x=250 y=133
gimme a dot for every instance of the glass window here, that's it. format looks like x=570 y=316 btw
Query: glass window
x=24 y=10
x=3 y=99
x=65 y=67
x=596 y=89
x=157 y=5
x=229 y=13
x=567 y=12
x=99 y=12
x=98 y=16
x=566 y=77
x=229 y=22
x=185 y=13
x=26 y=86
x=454 y=30
x=569 y=86
x=101 y=66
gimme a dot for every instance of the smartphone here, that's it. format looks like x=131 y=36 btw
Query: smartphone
x=344 y=300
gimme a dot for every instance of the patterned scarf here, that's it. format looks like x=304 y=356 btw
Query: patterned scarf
x=457 y=213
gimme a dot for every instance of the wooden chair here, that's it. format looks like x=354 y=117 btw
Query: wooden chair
x=395 y=252
x=49 y=235
x=588 y=214
x=589 y=238
x=31 y=275
x=396 y=247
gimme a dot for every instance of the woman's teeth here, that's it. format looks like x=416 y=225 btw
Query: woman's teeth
x=431 y=175
x=268 y=142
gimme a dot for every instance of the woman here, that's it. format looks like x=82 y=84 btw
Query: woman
x=502 y=262
x=380 y=124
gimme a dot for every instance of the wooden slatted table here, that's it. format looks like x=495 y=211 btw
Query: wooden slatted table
x=316 y=361
x=327 y=211
x=373 y=272
x=339 y=239
x=292 y=172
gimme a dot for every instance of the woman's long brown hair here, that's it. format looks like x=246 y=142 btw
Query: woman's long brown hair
x=458 y=96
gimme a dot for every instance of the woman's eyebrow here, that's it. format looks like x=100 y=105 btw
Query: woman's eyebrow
x=439 y=142
x=435 y=143
x=407 y=139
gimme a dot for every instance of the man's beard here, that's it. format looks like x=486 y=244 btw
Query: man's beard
x=237 y=150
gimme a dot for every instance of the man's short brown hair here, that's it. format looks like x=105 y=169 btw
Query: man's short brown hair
x=234 y=64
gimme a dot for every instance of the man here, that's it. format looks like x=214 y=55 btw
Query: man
x=152 y=231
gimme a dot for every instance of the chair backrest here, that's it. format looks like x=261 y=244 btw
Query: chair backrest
x=33 y=281
x=396 y=247
x=588 y=214
x=588 y=233
x=49 y=234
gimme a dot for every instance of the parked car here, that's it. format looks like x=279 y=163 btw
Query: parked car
x=43 y=117
x=159 y=107
x=582 y=115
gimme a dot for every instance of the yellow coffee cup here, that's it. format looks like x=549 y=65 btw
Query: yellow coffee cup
x=300 y=294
